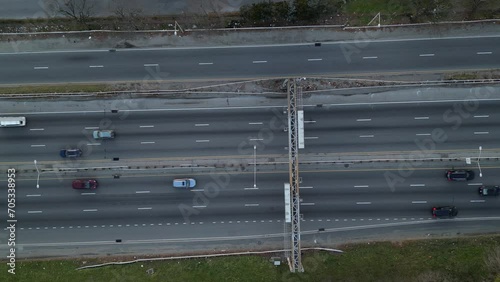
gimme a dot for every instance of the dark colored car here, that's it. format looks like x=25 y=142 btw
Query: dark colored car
x=70 y=153
x=447 y=211
x=489 y=190
x=459 y=175
x=85 y=184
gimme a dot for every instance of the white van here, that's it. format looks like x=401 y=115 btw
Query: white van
x=12 y=121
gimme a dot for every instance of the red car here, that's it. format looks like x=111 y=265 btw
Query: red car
x=85 y=184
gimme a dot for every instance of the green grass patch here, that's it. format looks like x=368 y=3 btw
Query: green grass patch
x=63 y=88
x=460 y=259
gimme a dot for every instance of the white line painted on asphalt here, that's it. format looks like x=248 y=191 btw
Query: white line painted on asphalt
x=197 y=190
x=151 y=65
x=423 y=134
x=37 y=145
x=36 y=129
x=364 y=119
x=251 y=188
x=255 y=123
x=484 y=53
x=199 y=207
x=91 y=210
x=372 y=57
x=256 y=139
x=251 y=205
x=99 y=66
x=92 y=127
x=202 y=141
x=87 y=194
x=426 y=55
x=93 y=144
x=204 y=64
x=146 y=126
x=477 y=201
x=142 y=192
x=363 y=203
x=366 y=136
x=417 y=185
x=481 y=132
x=41 y=68
x=34 y=211
x=148 y=142
x=311 y=137
x=309 y=121
x=485 y=116
x=34 y=195
x=202 y=124
x=259 y=62
x=473 y=184
x=147 y=208
x=305 y=187
x=419 y=202
x=307 y=204
x=361 y=186
x=314 y=60
x=421 y=118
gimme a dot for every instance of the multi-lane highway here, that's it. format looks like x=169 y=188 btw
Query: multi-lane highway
x=365 y=56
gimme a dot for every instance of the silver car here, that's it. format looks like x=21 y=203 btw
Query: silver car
x=103 y=134
x=184 y=183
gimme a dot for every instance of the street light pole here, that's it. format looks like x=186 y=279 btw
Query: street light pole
x=254 y=166
x=478 y=160
x=38 y=177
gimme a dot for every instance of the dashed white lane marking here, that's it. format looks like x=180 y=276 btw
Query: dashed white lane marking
x=484 y=116
x=419 y=202
x=251 y=188
x=87 y=194
x=484 y=53
x=148 y=142
x=314 y=60
x=364 y=119
x=142 y=192
x=305 y=187
x=92 y=127
x=472 y=184
x=34 y=195
x=423 y=134
x=307 y=204
x=36 y=129
x=93 y=144
x=41 y=68
x=151 y=65
x=372 y=57
x=312 y=137
x=146 y=208
x=34 y=211
x=204 y=64
x=146 y=126
x=251 y=205
x=259 y=62
x=255 y=123
x=360 y=186
x=309 y=121
x=256 y=139
x=366 y=136
x=91 y=210
x=417 y=185
x=37 y=145
x=421 y=118
x=99 y=66
x=426 y=55
x=477 y=201
x=363 y=203
x=202 y=124
x=202 y=141
x=197 y=190
x=481 y=132
x=199 y=207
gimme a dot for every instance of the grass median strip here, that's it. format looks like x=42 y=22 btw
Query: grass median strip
x=459 y=259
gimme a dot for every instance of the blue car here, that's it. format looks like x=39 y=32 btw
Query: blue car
x=70 y=153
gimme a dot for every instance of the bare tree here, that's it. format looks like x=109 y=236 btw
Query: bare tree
x=472 y=6
x=79 y=10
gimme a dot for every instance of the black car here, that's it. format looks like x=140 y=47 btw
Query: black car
x=447 y=211
x=459 y=175
x=489 y=190
x=70 y=153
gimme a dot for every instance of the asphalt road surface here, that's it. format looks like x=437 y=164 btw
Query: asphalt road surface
x=251 y=62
